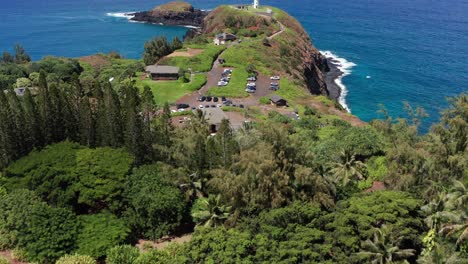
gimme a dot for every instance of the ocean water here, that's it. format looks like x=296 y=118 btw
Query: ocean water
x=390 y=50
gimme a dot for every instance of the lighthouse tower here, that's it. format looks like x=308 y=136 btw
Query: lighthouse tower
x=256 y=4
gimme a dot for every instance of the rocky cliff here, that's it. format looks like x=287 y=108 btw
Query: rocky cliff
x=173 y=13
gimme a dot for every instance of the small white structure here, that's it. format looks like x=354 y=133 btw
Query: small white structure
x=223 y=38
x=256 y=4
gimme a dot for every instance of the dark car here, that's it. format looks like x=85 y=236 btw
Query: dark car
x=207 y=106
x=209 y=98
x=182 y=106
x=201 y=98
x=194 y=108
x=213 y=106
x=215 y=99
x=241 y=106
x=223 y=98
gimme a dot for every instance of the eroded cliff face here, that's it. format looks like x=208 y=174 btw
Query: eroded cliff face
x=313 y=66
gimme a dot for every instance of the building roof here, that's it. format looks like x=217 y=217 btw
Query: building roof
x=226 y=36
x=275 y=98
x=214 y=116
x=162 y=69
x=377 y=186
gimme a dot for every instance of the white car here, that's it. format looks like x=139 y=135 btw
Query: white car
x=275 y=78
x=201 y=106
x=173 y=111
x=220 y=105
x=222 y=83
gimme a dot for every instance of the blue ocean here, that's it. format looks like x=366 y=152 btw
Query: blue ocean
x=390 y=50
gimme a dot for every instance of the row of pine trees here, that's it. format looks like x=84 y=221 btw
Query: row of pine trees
x=102 y=117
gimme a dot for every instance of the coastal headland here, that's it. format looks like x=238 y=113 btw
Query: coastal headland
x=281 y=41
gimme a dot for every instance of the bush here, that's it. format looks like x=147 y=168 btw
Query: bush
x=99 y=233
x=125 y=254
x=3 y=260
x=157 y=207
x=75 y=259
x=264 y=100
x=309 y=110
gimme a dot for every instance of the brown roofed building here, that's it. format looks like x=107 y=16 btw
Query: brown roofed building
x=278 y=100
x=162 y=72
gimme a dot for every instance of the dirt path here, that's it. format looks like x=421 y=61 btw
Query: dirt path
x=277 y=33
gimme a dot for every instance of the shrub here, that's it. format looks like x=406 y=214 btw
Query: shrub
x=3 y=260
x=125 y=254
x=99 y=233
x=76 y=259
x=264 y=100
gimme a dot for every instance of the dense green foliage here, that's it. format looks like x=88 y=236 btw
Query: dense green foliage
x=89 y=166
x=159 y=47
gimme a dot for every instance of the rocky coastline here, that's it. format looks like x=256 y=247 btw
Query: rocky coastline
x=334 y=91
x=189 y=17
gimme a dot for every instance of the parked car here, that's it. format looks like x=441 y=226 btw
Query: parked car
x=194 y=108
x=209 y=98
x=275 y=78
x=223 y=98
x=250 y=90
x=241 y=106
x=227 y=71
x=225 y=79
x=200 y=106
x=201 y=98
x=227 y=102
x=207 y=106
x=219 y=105
x=252 y=78
x=274 y=84
x=215 y=99
x=213 y=106
x=222 y=83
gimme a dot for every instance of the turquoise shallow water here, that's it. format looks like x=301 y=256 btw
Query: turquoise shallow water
x=415 y=51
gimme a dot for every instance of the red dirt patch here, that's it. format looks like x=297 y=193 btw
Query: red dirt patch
x=7 y=254
x=96 y=61
x=189 y=53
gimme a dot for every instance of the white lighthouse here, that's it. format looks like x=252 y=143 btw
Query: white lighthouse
x=256 y=4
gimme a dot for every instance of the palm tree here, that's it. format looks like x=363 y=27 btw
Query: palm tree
x=383 y=249
x=436 y=212
x=210 y=212
x=456 y=206
x=348 y=168
x=193 y=188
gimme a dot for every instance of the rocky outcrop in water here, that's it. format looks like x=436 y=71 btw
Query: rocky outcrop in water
x=174 y=13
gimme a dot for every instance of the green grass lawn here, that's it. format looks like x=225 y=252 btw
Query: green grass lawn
x=199 y=63
x=236 y=87
x=171 y=91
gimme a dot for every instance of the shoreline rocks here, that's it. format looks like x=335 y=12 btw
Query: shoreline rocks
x=172 y=17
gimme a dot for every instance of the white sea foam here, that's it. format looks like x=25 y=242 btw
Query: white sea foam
x=368 y=77
x=127 y=15
x=187 y=26
x=345 y=67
